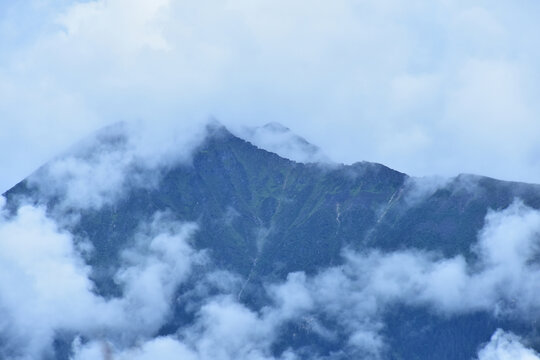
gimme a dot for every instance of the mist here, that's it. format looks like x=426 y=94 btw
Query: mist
x=428 y=88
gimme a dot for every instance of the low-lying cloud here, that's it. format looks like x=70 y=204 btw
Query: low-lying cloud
x=45 y=283
x=506 y=346
x=502 y=281
x=46 y=290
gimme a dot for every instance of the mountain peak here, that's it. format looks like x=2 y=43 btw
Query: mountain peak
x=276 y=127
x=268 y=223
x=279 y=139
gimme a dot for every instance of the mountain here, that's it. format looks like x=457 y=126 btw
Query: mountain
x=262 y=218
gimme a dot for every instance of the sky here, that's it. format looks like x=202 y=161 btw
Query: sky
x=425 y=87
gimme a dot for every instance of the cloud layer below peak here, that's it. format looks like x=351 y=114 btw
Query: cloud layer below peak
x=48 y=292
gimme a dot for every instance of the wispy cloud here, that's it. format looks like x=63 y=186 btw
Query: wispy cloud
x=104 y=167
x=425 y=87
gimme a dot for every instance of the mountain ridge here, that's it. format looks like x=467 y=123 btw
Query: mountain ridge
x=265 y=217
x=363 y=192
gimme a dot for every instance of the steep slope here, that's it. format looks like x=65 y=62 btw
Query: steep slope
x=252 y=204
x=263 y=217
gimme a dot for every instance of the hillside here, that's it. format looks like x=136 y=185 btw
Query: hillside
x=263 y=217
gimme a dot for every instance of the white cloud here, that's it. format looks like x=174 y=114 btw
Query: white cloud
x=425 y=87
x=159 y=348
x=123 y=27
x=413 y=90
x=503 y=281
x=161 y=260
x=506 y=346
x=280 y=140
x=45 y=285
x=100 y=170
x=419 y=189
x=224 y=329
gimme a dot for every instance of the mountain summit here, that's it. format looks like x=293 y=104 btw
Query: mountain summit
x=309 y=260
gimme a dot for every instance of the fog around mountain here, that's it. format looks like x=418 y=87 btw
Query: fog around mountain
x=424 y=87
x=389 y=208
x=200 y=245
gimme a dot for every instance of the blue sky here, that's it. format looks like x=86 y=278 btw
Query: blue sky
x=426 y=87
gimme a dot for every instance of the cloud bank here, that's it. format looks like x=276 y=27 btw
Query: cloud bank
x=506 y=346
x=46 y=288
x=428 y=87
x=47 y=292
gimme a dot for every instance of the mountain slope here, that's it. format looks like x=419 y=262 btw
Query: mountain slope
x=264 y=217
